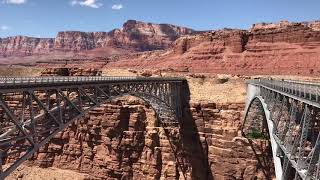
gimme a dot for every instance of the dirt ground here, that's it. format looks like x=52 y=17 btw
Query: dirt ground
x=202 y=88
x=36 y=173
x=19 y=71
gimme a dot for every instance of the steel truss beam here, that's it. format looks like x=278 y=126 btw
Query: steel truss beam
x=294 y=107
x=34 y=110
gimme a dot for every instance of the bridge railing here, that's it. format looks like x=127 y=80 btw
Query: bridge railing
x=72 y=79
x=294 y=110
x=303 y=89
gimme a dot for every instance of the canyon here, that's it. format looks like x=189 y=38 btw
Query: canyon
x=124 y=140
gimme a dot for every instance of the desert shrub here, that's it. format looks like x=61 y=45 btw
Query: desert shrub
x=221 y=78
x=255 y=134
x=146 y=74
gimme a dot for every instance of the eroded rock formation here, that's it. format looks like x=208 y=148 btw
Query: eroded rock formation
x=280 y=48
x=134 y=35
x=124 y=140
x=71 y=72
x=25 y=46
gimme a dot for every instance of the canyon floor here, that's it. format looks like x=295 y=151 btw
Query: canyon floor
x=224 y=89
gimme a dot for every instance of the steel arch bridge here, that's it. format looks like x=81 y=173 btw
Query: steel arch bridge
x=33 y=110
x=291 y=120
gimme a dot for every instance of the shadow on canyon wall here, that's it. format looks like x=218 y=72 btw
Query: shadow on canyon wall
x=255 y=130
x=195 y=148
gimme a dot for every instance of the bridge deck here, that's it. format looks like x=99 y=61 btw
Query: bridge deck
x=35 y=109
x=294 y=109
x=49 y=81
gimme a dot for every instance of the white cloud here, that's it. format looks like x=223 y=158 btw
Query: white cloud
x=87 y=3
x=117 y=6
x=15 y=1
x=4 y=28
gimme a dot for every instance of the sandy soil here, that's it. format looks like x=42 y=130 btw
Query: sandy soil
x=209 y=89
x=201 y=89
x=19 y=71
x=36 y=173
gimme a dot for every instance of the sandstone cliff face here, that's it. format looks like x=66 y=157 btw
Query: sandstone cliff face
x=146 y=36
x=281 y=48
x=25 y=46
x=134 y=35
x=124 y=140
x=74 y=41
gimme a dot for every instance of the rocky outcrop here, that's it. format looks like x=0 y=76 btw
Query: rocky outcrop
x=134 y=35
x=230 y=156
x=71 y=72
x=146 y=36
x=25 y=46
x=280 y=48
x=285 y=32
x=216 y=41
x=124 y=140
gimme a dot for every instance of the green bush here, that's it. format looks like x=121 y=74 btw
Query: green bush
x=255 y=134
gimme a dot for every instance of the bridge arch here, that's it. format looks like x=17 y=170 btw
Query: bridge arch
x=291 y=110
x=48 y=105
x=266 y=123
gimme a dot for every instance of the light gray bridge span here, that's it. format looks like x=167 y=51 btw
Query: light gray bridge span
x=33 y=110
x=291 y=120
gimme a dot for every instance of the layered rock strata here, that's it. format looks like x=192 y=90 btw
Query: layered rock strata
x=124 y=140
x=71 y=72
x=134 y=35
x=281 y=48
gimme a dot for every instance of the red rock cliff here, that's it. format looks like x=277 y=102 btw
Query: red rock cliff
x=146 y=36
x=134 y=35
x=124 y=140
x=280 y=48
x=25 y=46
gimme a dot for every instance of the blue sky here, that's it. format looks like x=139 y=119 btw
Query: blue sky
x=44 y=18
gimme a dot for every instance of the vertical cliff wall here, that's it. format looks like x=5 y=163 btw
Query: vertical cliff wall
x=134 y=35
x=124 y=140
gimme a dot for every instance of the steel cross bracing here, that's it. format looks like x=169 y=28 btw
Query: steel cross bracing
x=295 y=112
x=33 y=110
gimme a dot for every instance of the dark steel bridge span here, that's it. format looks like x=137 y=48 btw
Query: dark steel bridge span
x=290 y=118
x=33 y=110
